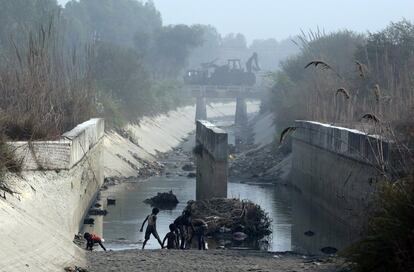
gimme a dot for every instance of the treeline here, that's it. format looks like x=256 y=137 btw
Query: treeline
x=364 y=74
x=216 y=46
x=62 y=65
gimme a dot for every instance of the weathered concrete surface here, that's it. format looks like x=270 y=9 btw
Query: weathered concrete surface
x=337 y=168
x=39 y=222
x=211 y=156
x=63 y=153
x=241 y=112
x=155 y=134
x=201 y=109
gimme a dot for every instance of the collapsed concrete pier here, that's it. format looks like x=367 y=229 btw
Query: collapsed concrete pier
x=211 y=155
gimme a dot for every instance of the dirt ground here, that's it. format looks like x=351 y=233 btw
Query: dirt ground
x=210 y=260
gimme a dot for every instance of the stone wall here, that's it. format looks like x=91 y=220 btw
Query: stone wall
x=211 y=156
x=338 y=168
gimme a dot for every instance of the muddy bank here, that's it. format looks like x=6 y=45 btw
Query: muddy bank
x=210 y=260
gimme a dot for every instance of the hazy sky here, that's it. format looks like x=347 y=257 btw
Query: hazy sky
x=280 y=19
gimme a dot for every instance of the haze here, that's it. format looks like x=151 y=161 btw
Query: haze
x=263 y=19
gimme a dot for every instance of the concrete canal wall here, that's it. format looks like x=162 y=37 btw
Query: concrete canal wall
x=336 y=167
x=60 y=179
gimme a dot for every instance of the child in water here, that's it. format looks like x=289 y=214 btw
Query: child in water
x=200 y=228
x=171 y=238
x=92 y=239
x=183 y=226
x=151 y=227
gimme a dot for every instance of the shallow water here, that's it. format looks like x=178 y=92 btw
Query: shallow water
x=292 y=216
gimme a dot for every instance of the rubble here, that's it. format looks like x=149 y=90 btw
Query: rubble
x=260 y=164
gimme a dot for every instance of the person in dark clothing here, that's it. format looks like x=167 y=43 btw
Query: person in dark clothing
x=151 y=227
x=171 y=238
x=183 y=225
x=92 y=239
x=200 y=229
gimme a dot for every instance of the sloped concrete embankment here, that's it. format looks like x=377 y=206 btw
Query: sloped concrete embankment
x=59 y=181
x=126 y=155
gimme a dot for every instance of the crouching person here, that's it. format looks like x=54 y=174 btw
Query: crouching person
x=171 y=238
x=92 y=239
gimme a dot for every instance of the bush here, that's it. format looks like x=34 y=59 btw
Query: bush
x=389 y=239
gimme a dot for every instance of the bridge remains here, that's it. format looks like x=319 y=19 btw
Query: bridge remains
x=240 y=93
x=338 y=168
x=211 y=156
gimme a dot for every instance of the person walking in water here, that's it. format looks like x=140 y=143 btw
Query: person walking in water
x=151 y=227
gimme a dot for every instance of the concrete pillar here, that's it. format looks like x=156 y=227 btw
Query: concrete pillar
x=241 y=112
x=201 y=109
x=211 y=156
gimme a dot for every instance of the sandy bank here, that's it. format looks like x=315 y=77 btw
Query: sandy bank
x=209 y=260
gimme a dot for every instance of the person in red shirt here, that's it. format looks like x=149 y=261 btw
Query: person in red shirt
x=92 y=239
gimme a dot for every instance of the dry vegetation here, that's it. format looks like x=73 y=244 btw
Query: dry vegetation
x=43 y=90
x=348 y=79
x=353 y=75
x=231 y=214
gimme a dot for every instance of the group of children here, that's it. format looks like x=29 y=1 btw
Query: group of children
x=181 y=234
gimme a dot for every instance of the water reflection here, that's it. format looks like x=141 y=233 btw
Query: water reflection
x=292 y=216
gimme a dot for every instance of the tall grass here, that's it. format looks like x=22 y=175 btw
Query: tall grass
x=384 y=89
x=44 y=87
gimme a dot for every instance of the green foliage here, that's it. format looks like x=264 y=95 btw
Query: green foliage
x=389 y=242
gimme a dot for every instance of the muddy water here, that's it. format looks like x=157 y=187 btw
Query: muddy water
x=291 y=216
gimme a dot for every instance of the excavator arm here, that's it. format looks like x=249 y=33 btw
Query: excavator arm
x=252 y=63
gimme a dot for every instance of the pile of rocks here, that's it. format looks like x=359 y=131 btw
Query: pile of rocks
x=256 y=163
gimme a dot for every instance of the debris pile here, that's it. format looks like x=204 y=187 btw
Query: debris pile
x=163 y=200
x=259 y=163
x=231 y=216
x=188 y=167
x=75 y=269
